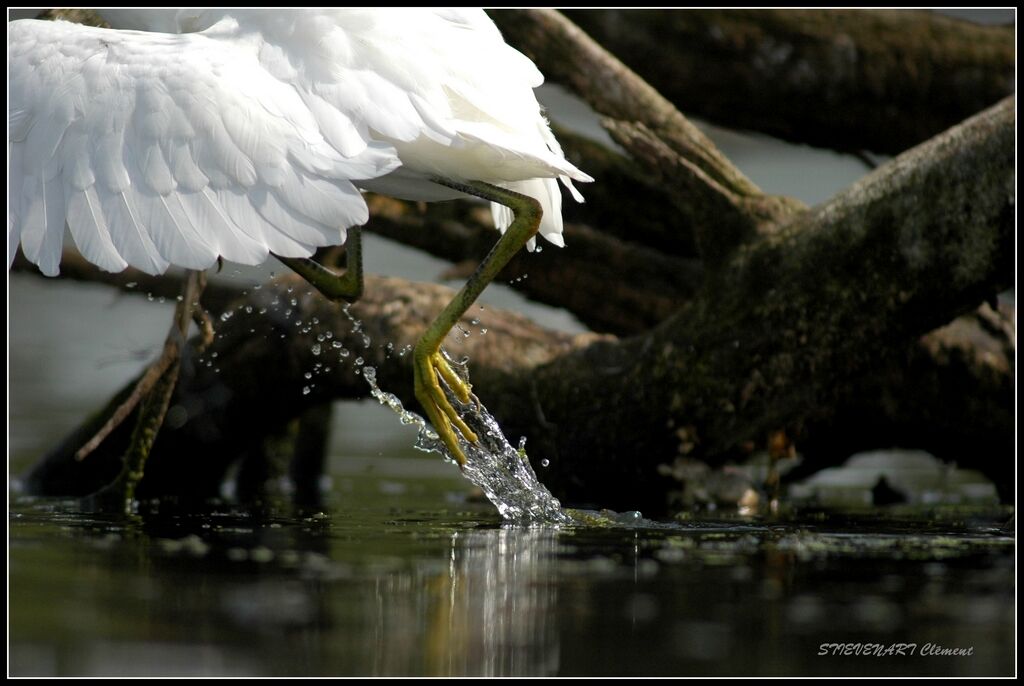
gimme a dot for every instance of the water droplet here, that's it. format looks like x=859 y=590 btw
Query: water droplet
x=545 y=462
x=306 y=390
x=315 y=349
x=483 y=331
x=336 y=344
x=248 y=309
x=131 y=284
x=359 y=360
x=180 y=298
x=308 y=375
x=538 y=249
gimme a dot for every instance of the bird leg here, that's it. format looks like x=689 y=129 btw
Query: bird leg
x=202 y=320
x=429 y=364
x=347 y=286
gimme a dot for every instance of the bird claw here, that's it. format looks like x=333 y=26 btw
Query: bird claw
x=430 y=368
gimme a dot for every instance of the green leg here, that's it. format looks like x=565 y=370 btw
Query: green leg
x=429 y=364
x=347 y=286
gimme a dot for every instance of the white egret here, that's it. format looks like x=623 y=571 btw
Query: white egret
x=196 y=135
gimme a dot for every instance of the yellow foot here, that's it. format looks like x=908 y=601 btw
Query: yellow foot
x=428 y=366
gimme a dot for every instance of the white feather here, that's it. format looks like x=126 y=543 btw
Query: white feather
x=89 y=229
x=232 y=133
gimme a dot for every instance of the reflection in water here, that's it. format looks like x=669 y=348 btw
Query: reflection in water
x=315 y=596
x=491 y=611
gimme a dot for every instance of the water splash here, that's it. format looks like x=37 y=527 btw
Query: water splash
x=502 y=471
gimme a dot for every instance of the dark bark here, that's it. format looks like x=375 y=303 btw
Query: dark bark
x=951 y=394
x=850 y=80
x=836 y=292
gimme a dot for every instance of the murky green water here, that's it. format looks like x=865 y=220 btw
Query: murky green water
x=401 y=576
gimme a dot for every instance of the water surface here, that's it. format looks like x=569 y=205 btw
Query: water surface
x=405 y=576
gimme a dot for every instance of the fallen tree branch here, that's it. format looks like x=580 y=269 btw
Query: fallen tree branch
x=611 y=285
x=836 y=292
x=849 y=80
x=715 y=201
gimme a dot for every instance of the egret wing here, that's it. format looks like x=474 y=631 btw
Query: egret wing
x=161 y=149
x=454 y=99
